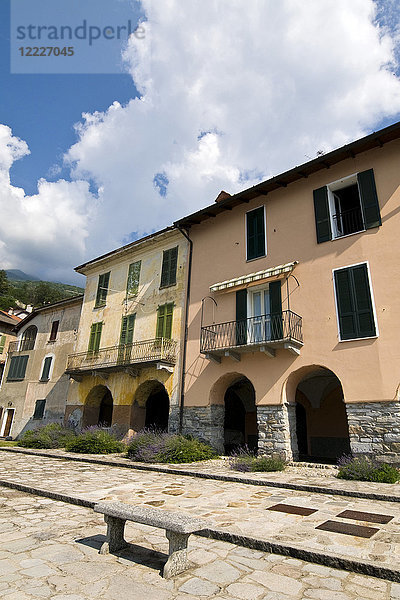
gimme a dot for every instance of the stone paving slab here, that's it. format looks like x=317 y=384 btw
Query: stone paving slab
x=49 y=549
x=233 y=509
x=297 y=476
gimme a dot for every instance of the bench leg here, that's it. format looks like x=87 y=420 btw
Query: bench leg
x=115 y=535
x=177 y=561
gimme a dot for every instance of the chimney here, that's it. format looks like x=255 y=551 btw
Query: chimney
x=222 y=196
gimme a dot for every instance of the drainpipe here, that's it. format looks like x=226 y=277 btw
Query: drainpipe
x=183 y=374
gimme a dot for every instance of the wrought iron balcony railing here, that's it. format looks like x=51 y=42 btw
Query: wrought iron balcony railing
x=262 y=330
x=13 y=347
x=348 y=221
x=158 y=349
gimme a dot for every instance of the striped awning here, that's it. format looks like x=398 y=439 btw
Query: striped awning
x=273 y=273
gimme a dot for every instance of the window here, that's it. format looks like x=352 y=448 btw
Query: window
x=168 y=273
x=255 y=233
x=17 y=369
x=132 y=285
x=45 y=376
x=39 y=409
x=346 y=206
x=164 y=321
x=259 y=314
x=127 y=327
x=54 y=331
x=354 y=302
x=94 y=339
x=102 y=289
x=28 y=338
x=2 y=343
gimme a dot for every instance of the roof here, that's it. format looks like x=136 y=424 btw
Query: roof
x=374 y=140
x=124 y=249
x=9 y=319
x=67 y=301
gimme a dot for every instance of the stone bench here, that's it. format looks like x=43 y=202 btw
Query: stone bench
x=178 y=528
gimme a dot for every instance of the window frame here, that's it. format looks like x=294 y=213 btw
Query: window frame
x=165 y=305
x=54 y=330
x=93 y=351
x=28 y=343
x=50 y=369
x=3 y=340
x=371 y=291
x=263 y=206
x=43 y=406
x=14 y=360
x=102 y=290
x=129 y=293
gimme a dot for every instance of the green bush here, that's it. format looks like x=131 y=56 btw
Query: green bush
x=49 y=436
x=97 y=441
x=363 y=468
x=157 y=447
x=246 y=462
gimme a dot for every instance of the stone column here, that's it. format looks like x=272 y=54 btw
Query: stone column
x=275 y=430
x=374 y=430
x=206 y=423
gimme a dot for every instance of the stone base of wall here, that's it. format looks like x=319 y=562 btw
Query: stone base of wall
x=374 y=429
x=276 y=431
x=205 y=423
x=173 y=420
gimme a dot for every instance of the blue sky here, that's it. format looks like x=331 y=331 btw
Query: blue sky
x=217 y=95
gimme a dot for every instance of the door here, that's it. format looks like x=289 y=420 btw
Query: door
x=9 y=416
x=260 y=324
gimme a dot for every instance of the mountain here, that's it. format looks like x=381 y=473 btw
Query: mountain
x=17 y=275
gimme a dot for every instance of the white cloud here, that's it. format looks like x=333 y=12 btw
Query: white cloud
x=40 y=233
x=231 y=92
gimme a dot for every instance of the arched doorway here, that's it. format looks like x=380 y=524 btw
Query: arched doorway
x=321 y=420
x=240 y=419
x=151 y=407
x=98 y=407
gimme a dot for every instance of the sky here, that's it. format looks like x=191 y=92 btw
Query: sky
x=215 y=94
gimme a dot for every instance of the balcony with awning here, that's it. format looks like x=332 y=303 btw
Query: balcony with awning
x=129 y=358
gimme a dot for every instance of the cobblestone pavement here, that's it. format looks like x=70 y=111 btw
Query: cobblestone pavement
x=233 y=507
x=49 y=550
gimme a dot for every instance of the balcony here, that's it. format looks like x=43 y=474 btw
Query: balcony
x=264 y=334
x=126 y=357
x=347 y=222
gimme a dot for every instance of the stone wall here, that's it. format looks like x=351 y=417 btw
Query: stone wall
x=374 y=429
x=275 y=436
x=206 y=423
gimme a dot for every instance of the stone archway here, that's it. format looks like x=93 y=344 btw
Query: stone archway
x=98 y=407
x=319 y=417
x=150 y=407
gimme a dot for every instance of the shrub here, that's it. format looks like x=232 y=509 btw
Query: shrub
x=153 y=446
x=363 y=468
x=246 y=461
x=48 y=436
x=95 y=441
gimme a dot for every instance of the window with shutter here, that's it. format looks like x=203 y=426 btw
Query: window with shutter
x=127 y=328
x=354 y=302
x=2 y=343
x=46 y=369
x=255 y=233
x=347 y=206
x=39 y=409
x=54 y=331
x=102 y=289
x=17 y=369
x=94 y=339
x=169 y=265
x=29 y=338
x=132 y=285
x=164 y=321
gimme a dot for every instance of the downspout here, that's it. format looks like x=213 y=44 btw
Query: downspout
x=183 y=373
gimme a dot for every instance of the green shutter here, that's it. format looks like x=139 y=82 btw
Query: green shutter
x=241 y=317
x=2 y=343
x=39 y=409
x=164 y=321
x=127 y=328
x=95 y=335
x=132 y=285
x=255 y=229
x=46 y=369
x=168 y=272
x=369 y=199
x=17 y=368
x=322 y=216
x=356 y=319
x=275 y=299
x=102 y=289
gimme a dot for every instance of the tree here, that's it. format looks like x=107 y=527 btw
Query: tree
x=4 y=283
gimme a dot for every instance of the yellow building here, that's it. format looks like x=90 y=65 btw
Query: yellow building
x=294 y=313
x=126 y=369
